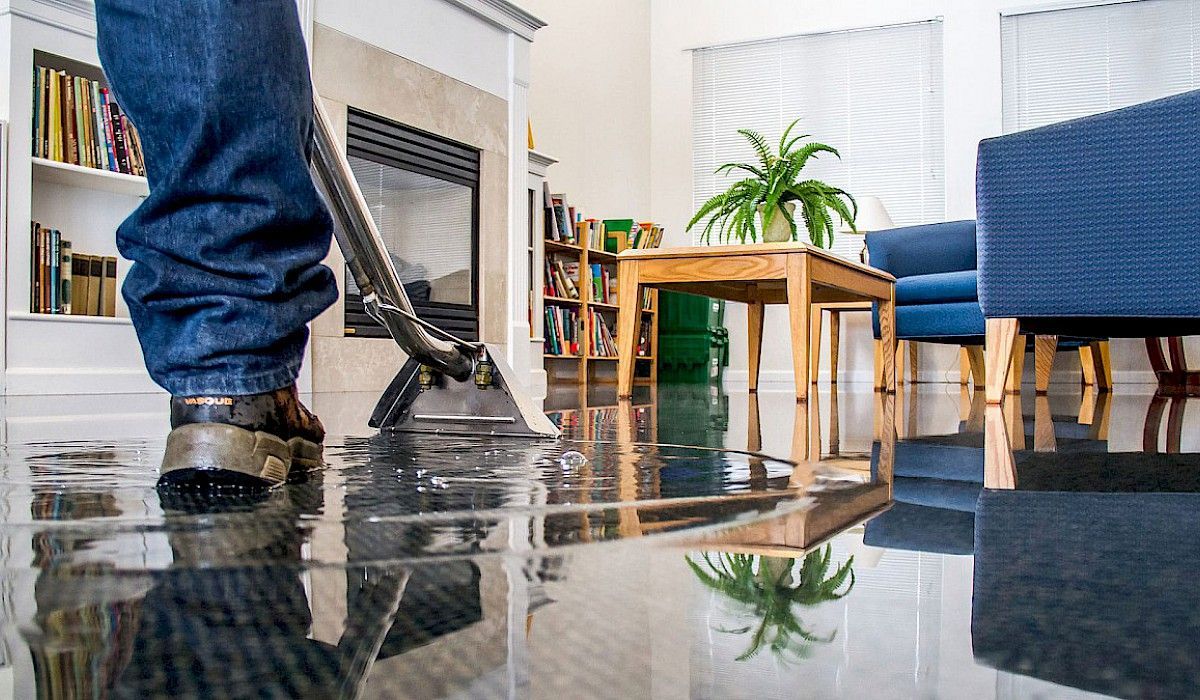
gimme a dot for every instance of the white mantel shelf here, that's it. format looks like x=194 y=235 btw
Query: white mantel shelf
x=503 y=14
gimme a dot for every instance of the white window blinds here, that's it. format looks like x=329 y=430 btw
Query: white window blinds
x=1061 y=64
x=874 y=94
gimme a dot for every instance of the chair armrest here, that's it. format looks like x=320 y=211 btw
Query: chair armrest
x=924 y=250
x=1098 y=216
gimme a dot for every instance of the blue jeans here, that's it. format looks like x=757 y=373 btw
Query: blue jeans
x=227 y=248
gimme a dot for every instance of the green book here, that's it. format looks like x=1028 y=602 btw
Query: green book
x=617 y=232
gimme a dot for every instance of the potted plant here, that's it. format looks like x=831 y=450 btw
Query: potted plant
x=767 y=590
x=773 y=193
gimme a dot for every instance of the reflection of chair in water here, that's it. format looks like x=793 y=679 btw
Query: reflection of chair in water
x=1087 y=589
x=938 y=478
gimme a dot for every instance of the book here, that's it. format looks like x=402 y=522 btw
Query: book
x=110 y=138
x=619 y=232
x=98 y=128
x=108 y=294
x=37 y=112
x=96 y=273
x=53 y=262
x=54 y=120
x=114 y=116
x=65 y=276
x=71 y=147
x=44 y=118
x=563 y=218
x=35 y=267
x=81 y=276
x=78 y=123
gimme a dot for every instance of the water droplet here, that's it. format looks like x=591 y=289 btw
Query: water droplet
x=571 y=458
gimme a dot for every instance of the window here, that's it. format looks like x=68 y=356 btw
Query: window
x=1067 y=63
x=874 y=94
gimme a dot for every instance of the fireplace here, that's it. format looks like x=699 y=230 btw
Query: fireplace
x=423 y=193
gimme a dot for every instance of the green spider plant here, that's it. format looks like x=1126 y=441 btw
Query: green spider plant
x=768 y=591
x=773 y=181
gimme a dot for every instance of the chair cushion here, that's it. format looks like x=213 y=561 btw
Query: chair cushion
x=938 y=288
x=958 y=323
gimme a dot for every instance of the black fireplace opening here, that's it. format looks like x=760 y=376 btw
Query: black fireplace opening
x=423 y=193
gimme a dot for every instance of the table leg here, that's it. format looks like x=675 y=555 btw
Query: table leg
x=799 y=301
x=754 y=324
x=814 y=339
x=887 y=332
x=835 y=339
x=629 y=296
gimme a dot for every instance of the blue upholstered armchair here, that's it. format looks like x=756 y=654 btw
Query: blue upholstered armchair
x=1091 y=227
x=936 y=295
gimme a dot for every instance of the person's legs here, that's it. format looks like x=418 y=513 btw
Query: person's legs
x=227 y=249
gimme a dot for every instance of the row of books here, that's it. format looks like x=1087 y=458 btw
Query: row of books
x=604 y=284
x=562 y=331
x=76 y=121
x=603 y=338
x=560 y=217
x=560 y=279
x=65 y=282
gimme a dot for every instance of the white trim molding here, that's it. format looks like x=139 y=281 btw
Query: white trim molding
x=503 y=14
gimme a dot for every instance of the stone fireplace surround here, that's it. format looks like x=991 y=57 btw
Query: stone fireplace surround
x=350 y=72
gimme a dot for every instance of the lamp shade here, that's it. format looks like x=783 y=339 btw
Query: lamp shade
x=872 y=216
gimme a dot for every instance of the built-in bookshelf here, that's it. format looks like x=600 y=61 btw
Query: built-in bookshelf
x=82 y=195
x=579 y=300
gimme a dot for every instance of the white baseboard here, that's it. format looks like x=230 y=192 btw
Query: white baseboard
x=38 y=381
x=782 y=379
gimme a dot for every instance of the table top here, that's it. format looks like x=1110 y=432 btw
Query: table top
x=791 y=247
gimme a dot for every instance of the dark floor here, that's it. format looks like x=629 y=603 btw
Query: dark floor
x=413 y=567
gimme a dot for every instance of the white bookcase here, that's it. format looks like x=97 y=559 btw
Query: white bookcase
x=57 y=354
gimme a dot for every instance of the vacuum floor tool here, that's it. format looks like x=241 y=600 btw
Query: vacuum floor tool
x=448 y=385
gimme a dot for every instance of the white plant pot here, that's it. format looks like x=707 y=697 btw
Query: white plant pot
x=780 y=231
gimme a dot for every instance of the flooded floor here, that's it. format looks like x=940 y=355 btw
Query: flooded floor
x=689 y=544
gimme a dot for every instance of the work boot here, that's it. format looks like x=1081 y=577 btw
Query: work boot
x=258 y=440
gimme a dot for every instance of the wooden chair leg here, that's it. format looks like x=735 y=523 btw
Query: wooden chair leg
x=1016 y=374
x=999 y=467
x=978 y=373
x=1088 y=364
x=1043 y=426
x=912 y=361
x=901 y=353
x=1104 y=380
x=964 y=367
x=1044 y=349
x=1001 y=341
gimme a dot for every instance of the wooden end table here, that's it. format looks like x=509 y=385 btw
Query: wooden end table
x=796 y=274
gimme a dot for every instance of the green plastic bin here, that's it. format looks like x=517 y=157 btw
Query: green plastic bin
x=693 y=345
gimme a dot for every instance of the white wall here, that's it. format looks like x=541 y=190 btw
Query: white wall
x=589 y=102
x=971 y=37
x=438 y=35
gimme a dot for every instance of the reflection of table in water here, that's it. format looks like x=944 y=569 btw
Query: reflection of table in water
x=834 y=506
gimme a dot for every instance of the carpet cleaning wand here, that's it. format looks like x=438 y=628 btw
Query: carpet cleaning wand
x=448 y=385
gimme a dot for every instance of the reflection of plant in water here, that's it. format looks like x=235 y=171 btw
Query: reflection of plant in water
x=769 y=590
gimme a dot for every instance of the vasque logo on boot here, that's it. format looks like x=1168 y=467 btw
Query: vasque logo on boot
x=208 y=400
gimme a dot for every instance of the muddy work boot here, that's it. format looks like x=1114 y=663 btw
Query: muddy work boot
x=258 y=440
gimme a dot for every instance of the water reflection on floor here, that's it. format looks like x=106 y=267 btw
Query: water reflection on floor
x=862 y=558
